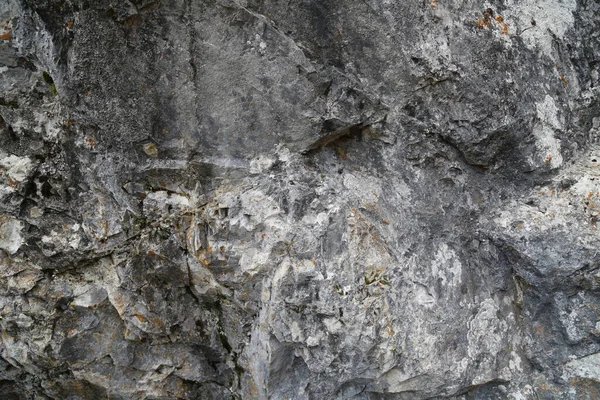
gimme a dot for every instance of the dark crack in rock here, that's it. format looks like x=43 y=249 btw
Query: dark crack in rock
x=313 y=199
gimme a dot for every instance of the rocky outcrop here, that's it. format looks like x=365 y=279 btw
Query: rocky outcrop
x=252 y=199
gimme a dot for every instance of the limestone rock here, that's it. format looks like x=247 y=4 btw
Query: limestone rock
x=252 y=199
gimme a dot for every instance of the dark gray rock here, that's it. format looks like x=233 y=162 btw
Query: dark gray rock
x=252 y=199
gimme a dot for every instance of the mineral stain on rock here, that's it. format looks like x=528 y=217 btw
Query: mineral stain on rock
x=257 y=199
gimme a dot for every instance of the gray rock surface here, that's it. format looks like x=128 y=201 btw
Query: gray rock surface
x=311 y=199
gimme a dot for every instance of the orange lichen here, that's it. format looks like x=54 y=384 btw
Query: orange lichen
x=91 y=142
x=483 y=24
x=504 y=29
x=140 y=318
x=563 y=79
x=540 y=330
x=6 y=36
x=499 y=19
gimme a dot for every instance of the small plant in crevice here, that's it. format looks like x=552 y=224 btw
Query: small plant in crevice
x=48 y=79
x=376 y=277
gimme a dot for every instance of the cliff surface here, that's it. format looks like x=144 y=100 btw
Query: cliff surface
x=310 y=199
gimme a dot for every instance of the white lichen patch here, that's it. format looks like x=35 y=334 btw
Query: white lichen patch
x=261 y=164
x=92 y=296
x=48 y=123
x=592 y=162
x=363 y=187
x=15 y=167
x=163 y=198
x=526 y=393
x=397 y=381
x=446 y=266
x=549 y=148
x=552 y=207
x=10 y=234
x=586 y=367
x=9 y=9
x=549 y=113
x=552 y=18
x=258 y=207
x=13 y=171
x=68 y=238
x=485 y=337
x=307 y=269
x=422 y=295
x=333 y=325
x=253 y=261
x=515 y=363
x=437 y=51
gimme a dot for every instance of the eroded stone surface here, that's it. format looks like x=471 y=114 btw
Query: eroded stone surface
x=251 y=199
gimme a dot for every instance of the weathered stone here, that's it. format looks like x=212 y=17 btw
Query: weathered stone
x=252 y=199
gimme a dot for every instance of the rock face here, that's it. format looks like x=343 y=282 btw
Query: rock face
x=311 y=199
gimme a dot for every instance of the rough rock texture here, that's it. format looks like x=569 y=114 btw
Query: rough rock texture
x=308 y=199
